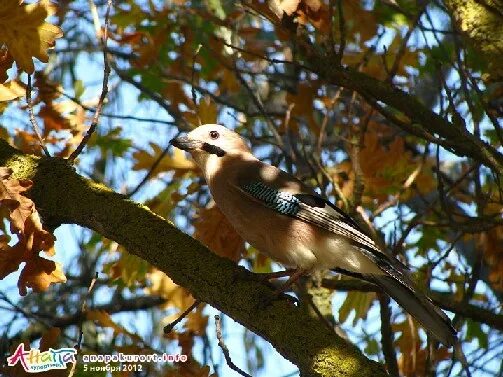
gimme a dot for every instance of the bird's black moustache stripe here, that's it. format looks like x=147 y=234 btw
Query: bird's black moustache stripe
x=213 y=149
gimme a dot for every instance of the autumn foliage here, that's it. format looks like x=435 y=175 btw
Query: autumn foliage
x=386 y=107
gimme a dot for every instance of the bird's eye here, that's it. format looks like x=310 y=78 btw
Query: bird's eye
x=214 y=135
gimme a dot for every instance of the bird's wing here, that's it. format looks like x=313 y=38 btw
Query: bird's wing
x=315 y=210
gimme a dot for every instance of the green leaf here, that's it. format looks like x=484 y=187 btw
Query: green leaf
x=372 y=347
x=78 y=88
x=474 y=331
x=359 y=302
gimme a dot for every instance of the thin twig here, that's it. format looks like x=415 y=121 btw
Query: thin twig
x=225 y=350
x=104 y=89
x=84 y=311
x=108 y=115
x=403 y=46
x=387 y=336
x=170 y=326
x=342 y=31
x=154 y=96
x=33 y=121
x=150 y=172
x=192 y=79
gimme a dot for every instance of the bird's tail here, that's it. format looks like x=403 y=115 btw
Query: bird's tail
x=419 y=306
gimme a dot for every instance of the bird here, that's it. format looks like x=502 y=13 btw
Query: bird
x=285 y=219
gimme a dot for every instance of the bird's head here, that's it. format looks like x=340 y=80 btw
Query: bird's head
x=210 y=141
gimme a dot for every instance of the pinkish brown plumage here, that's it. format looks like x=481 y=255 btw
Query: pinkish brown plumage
x=288 y=221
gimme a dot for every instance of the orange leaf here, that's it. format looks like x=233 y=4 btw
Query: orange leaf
x=20 y=207
x=38 y=274
x=9 y=258
x=50 y=338
x=214 y=230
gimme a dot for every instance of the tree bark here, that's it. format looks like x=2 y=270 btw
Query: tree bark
x=63 y=196
x=481 y=21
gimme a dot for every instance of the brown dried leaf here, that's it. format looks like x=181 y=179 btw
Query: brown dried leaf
x=50 y=339
x=39 y=273
x=6 y=61
x=20 y=207
x=214 y=230
x=207 y=111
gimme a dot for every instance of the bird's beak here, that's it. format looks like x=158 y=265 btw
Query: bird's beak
x=185 y=143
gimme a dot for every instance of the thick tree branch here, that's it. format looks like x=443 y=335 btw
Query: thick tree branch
x=63 y=196
x=462 y=142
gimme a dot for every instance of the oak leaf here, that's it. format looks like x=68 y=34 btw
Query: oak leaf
x=162 y=285
x=10 y=258
x=197 y=321
x=20 y=207
x=38 y=274
x=50 y=339
x=213 y=229
x=207 y=111
x=25 y=31
x=6 y=61
x=103 y=319
x=11 y=90
x=177 y=161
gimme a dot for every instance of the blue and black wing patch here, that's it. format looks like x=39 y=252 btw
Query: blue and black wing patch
x=315 y=210
x=282 y=202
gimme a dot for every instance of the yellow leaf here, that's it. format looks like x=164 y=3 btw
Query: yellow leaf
x=360 y=302
x=283 y=6
x=163 y=286
x=39 y=273
x=197 y=321
x=129 y=268
x=105 y=320
x=177 y=161
x=11 y=90
x=207 y=111
x=25 y=32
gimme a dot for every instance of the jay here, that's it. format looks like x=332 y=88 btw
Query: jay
x=288 y=221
